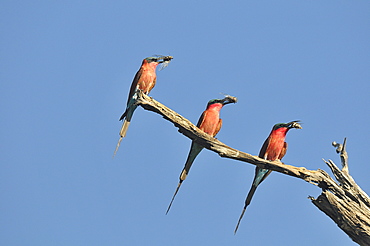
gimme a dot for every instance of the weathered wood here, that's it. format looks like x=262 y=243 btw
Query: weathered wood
x=343 y=201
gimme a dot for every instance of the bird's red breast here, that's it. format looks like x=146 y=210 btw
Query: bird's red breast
x=275 y=144
x=148 y=76
x=210 y=121
x=144 y=79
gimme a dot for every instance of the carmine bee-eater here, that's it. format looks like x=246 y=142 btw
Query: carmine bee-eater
x=274 y=148
x=210 y=123
x=144 y=80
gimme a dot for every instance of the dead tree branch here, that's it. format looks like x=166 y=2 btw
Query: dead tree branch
x=343 y=201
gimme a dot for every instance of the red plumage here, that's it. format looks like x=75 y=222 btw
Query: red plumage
x=210 y=123
x=274 y=148
x=144 y=80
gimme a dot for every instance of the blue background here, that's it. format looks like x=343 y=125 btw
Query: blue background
x=65 y=71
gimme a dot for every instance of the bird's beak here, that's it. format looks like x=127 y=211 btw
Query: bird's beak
x=229 y=99
x=294 y=124
x=164 y=59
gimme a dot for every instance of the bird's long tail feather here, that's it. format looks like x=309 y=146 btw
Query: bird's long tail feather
x=122 y=134
x=173 y=197
x=124 y=128
x=195 y=149
x=126 y=123
x=259 y=176
x=247 y=202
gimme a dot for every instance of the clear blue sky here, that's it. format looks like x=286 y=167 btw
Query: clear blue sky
x=65 y=72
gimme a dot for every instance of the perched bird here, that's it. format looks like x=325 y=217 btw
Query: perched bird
x=144 y=80
x=274 y=148
x=210 y=123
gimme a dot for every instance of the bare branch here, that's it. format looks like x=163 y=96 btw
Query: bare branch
x=341 y=149
x=318 y=177
x=344 y=202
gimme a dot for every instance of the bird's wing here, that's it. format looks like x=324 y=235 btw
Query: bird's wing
x=134 y=84
x=152 y=85
x=283 y=151
x=264 y=148
x=219 y=125
x=201 y=119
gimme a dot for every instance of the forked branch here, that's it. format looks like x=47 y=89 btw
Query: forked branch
x=343 y=201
